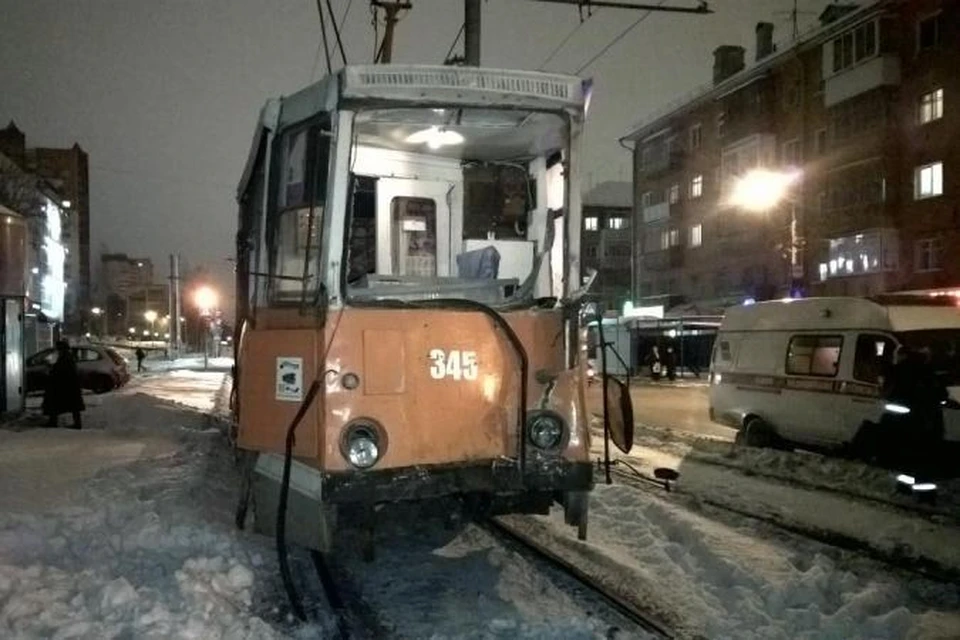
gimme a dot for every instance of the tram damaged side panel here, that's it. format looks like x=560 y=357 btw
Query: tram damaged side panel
x=411 y=259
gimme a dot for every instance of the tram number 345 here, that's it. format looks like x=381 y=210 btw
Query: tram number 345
x=456 y=364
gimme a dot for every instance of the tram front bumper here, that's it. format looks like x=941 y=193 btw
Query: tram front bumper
x=502 y=477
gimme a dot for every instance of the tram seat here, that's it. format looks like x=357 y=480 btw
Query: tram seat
x=479 y=264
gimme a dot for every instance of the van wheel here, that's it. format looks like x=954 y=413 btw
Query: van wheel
x=757 y=433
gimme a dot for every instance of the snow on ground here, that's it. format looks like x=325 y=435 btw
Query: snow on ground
x=125 y=529
x=713 y=580
x=429 y=582
x=741 y=479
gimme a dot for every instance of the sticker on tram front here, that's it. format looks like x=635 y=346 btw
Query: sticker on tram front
x=289 y=379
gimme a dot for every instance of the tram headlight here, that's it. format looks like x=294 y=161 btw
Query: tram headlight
x=545 y=429
x=362 y=443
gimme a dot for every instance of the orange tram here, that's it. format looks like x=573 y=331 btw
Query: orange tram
x=410 y=307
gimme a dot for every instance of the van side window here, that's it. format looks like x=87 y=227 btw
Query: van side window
x=814 y=355
x=873 y=357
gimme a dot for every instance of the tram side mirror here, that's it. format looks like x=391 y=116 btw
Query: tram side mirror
x=619 y=417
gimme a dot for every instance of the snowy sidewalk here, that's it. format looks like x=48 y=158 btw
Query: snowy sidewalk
x=125 y=529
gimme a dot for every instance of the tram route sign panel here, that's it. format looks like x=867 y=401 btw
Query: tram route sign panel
x=289 y=379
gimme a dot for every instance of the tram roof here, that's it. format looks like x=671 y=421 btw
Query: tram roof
x=388 y=85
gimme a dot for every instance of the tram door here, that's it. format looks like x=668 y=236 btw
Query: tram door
x=416 y=229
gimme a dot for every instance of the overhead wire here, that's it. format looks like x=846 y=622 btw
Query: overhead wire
x=346 y=12
x=454 y=43
x=323 y=33
x=617 y=39
x=336 y=32
x=563 y=42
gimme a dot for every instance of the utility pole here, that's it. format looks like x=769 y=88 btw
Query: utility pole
x=390 y=9
x=174 y=307
x=471 y=32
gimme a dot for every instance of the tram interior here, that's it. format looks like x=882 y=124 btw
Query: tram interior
x=455 y=203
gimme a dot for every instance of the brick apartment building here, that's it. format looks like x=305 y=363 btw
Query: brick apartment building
x=867 y=107
x=605 y=243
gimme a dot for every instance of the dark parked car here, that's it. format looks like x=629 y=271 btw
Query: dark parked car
x=101 y=368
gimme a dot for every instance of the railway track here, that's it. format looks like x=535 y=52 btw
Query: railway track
x=919 y=566
x=529 y=548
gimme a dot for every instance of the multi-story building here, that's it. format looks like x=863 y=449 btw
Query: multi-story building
x=122 y=275
x=37 y=205
x=605 y=244
x=128 y=292
x=857 y=115
x=66 y=170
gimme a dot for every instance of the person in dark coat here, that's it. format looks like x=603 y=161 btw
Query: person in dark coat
x=63 y=393
x=141 y=354
x=916 y=431
x=670 y=363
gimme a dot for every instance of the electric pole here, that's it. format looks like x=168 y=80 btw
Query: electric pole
x=390 y=10
x=471 y=32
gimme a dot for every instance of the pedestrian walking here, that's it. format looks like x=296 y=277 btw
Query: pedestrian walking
x=63 y=393
x=141 y=354
x=656 y=366
x=670 y=363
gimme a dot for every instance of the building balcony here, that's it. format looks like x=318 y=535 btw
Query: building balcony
x=669 y=161
x=877 y=72
x=671 y=258
x=654 y=212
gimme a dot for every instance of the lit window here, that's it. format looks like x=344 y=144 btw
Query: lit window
x=590 y=224
x=674 y=194
x=931 y=106
x=674 y=237
x=929 y=255
x=664 y=239
x=696 y=186
x=696 y=136
x=616 y=223
x=928 y=181
x=696 y=235
x=823 y=270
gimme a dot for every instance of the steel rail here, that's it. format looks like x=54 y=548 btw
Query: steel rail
x=624 y=607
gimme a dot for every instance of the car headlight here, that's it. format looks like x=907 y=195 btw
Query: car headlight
x=545 y=430
x=362 y=443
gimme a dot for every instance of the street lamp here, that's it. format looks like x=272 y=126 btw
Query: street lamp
x=206 y=301
x=100 y=313
x=151 y=317
x=761 y=190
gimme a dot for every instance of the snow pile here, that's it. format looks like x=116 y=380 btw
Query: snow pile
x=128 y=532
x=706 y=578
x=212 y=600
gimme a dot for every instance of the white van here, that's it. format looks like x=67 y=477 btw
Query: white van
x=808 y=371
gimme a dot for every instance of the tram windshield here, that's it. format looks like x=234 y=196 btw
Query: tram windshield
x=453 y=203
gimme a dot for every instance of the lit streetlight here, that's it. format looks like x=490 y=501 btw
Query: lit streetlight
x=206 y=301
x=761 y=190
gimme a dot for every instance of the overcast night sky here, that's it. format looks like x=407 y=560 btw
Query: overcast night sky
x=164 y=94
